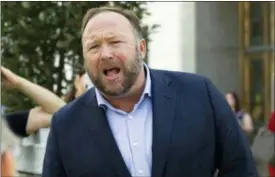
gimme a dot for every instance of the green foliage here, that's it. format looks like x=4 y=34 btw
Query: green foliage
x=40 y=41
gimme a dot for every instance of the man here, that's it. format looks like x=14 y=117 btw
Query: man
x=138 y=121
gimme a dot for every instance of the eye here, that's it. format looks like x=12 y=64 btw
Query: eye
x=94 y=47
x=115 y=42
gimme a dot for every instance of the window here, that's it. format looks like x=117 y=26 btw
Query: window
x=256 y=54
x=257 y=88
x=256 y=23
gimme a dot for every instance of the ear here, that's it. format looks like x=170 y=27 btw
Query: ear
x=142 y=47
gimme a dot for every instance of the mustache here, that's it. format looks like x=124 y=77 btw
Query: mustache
x=109 y=64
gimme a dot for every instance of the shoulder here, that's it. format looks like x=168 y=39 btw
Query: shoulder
x=189 y=86
x=180 y=76
x=183 y=79
x=245 y=116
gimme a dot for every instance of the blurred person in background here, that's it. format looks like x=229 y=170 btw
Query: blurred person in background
x=243 y=117
x=24 y=123
x=271 y=127
x=80 y=85
x=8 y=141
x=29 y=122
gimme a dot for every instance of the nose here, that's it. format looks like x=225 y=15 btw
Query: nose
x=106 y=52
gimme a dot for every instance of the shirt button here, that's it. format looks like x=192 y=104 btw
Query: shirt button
x=140 y=171
x=135 y=144
x=130 y=117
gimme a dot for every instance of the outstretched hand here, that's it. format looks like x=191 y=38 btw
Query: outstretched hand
x=9 y=79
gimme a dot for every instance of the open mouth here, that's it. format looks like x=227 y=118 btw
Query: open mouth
x=111 y=73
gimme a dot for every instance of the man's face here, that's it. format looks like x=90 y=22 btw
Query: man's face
x=113 y=56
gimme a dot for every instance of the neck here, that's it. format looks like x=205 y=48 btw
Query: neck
x=128 y=101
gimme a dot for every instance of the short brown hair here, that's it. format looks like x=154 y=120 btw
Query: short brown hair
x=133 y=19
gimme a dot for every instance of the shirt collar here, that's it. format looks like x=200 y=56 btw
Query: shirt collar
x=147 y=89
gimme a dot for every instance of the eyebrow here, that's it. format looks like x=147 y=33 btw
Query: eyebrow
x=92 y=38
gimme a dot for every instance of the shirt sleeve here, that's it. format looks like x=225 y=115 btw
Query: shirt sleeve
x=17 y=122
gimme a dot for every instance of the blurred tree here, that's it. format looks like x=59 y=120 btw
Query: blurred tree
x=41 y=42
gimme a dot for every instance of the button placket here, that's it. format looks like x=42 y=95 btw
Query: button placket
x=130 y=116
x=136 y=137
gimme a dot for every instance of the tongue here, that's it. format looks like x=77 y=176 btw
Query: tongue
x=112 y=72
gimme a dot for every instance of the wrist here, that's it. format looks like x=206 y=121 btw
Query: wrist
x=20 y=83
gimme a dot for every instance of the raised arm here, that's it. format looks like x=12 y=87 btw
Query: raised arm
x=25 y=123
x=49 y=101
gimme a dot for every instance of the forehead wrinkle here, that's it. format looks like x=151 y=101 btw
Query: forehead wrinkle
x=103 y=35
x=102 y=22
x=106 y=36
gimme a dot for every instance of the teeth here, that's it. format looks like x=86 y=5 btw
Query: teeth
x=111 y=72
